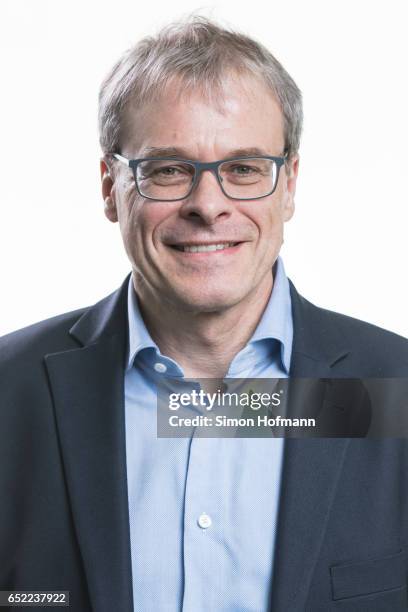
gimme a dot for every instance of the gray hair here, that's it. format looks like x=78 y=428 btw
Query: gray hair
x=199 y=52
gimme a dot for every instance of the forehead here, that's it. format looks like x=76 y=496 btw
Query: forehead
x=243 y=113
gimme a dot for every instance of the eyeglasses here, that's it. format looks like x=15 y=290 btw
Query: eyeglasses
x=170 y=179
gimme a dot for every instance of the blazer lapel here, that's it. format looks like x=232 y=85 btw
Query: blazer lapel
x=88 y=391
x=311 y=467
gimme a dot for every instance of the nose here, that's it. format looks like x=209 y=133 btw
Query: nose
x=207 y=203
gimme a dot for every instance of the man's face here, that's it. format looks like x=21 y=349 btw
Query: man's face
x=195 y=129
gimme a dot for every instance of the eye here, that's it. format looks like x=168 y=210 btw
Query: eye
x=243 y=170
x=162 y=170
x=169 y=170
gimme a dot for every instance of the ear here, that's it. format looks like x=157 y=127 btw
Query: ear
x=108 y=191
x=291 y=172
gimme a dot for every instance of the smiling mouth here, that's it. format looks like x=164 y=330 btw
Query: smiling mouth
x=204 y=248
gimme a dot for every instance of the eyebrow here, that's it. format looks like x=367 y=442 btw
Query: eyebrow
x=175 y=152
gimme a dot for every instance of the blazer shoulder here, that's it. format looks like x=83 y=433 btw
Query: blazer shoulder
x=64 y=332
x=357 y=330
x=38 y=339
x=382 y=351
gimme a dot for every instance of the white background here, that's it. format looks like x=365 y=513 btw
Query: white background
x=346 y=247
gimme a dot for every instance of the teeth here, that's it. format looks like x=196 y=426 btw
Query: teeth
x=204 y=248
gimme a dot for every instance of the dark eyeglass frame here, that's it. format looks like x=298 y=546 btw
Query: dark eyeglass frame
x=200 y=167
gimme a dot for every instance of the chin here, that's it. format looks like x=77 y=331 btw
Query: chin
x=206 y=300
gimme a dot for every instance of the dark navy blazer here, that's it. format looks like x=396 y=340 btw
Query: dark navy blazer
x=343 y=517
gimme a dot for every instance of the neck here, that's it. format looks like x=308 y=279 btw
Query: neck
x=203 y=343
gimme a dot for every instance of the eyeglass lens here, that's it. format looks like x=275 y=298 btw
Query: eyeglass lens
x=240 y=178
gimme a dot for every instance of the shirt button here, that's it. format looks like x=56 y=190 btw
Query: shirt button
x=160 y=367
x=204 y=521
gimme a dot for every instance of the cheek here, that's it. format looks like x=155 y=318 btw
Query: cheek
x=268 y=220
x=131 y=221
x=143 y=224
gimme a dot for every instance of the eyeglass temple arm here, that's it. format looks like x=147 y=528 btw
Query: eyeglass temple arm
x=121 y=159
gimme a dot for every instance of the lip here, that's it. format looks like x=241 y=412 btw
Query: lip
x=198 y=255
x=202 y=243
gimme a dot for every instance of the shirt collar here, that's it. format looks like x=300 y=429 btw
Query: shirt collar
x=275 y=324
x=139 y=337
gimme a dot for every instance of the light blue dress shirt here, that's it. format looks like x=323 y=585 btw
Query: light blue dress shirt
x=203 y=511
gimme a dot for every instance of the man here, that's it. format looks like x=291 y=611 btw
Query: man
x=200 y=131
